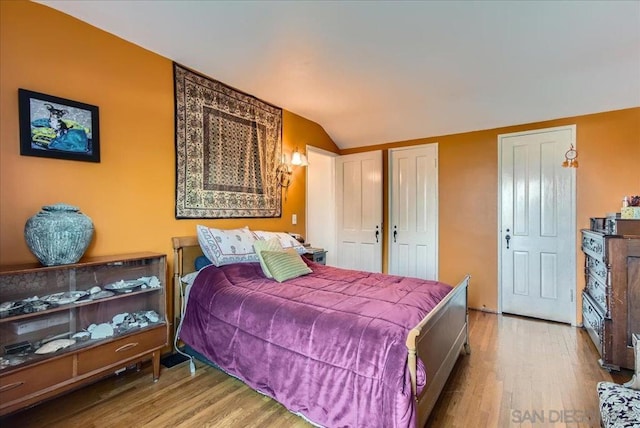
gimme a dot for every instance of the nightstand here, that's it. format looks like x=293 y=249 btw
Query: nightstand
x=318 y=255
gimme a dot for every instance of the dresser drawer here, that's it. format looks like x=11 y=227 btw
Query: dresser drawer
x=593 y=320
x=597 y=268
x=20 y=384
x=123 y=349
x=593 y=245
x=598 y=292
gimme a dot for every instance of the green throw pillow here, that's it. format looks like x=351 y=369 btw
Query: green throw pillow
x=259 y=246
x=285 y=265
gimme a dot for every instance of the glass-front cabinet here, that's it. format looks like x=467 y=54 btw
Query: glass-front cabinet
x=65 y=325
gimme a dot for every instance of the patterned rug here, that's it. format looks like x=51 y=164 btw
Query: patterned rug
x=228 y=147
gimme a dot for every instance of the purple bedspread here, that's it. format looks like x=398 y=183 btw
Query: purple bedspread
x=329 y=345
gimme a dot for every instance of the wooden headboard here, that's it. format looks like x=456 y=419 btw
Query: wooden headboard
x=185 y=252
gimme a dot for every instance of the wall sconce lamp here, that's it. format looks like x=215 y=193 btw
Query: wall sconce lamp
x=298 y=159
x=284 y=172
x=570 y=158
x=285 y=169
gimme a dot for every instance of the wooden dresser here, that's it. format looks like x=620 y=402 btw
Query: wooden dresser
x=611 y=298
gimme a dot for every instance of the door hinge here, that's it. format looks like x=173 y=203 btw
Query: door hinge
x=571 y=295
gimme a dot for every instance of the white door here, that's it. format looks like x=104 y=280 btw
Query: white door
x=413 y=233
x=359 y=211
x=321 y=222
x=537 y=225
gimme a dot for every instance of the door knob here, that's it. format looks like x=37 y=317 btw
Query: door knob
x=377 y=233
x=508 y=238
x=395 y=233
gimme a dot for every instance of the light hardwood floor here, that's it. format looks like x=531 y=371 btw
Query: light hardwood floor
x=521 y=372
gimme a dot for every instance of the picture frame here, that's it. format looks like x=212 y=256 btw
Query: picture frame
x=54 y=127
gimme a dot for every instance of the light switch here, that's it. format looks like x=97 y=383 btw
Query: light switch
x=294 y=219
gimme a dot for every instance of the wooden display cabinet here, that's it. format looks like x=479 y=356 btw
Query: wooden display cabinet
x=38 y=313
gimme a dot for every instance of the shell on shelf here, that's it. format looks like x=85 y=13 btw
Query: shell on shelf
x=119 y=318
x=54 y=345
x=102 y=331
x=81 y=336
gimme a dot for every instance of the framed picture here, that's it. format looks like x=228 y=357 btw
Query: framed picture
x=54 y=127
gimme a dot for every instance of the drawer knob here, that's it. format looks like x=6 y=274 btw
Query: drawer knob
x=11 y=386
x=127 y=346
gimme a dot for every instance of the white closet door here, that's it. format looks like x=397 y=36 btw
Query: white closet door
x=413 y=230
x=359 y=211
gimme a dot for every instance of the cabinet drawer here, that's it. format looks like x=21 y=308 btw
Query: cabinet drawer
x=599 y=293
x=593 y=245
x=597 y=268
x=593 y=321
x=122 y=349
x=20 y=384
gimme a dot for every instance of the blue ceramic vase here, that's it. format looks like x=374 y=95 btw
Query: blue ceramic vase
x=59 y=234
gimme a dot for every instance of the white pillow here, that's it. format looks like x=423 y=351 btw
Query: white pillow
x=224 y=247
x=286 y=240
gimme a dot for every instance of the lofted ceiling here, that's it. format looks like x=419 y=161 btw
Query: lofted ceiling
x=372 y=72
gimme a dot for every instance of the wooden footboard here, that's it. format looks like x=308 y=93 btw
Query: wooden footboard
x=437 y=341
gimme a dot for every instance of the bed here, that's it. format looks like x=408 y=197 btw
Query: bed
x=390 y=369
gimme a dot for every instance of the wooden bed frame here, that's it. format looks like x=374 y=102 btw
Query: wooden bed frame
x=437 y=340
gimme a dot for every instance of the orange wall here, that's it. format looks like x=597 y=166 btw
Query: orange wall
x=130 y=193
x=609 y=153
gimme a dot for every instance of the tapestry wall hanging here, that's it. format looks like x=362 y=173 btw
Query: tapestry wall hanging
x=228 y=147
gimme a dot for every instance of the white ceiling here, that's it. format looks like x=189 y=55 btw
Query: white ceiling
x=373 y=72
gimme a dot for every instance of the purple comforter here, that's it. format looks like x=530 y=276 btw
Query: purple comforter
x=329 y=345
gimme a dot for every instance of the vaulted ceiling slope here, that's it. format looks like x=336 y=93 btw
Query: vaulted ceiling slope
x=372 y=72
